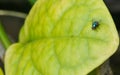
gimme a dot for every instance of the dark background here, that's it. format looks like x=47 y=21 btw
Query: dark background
x=17 y=5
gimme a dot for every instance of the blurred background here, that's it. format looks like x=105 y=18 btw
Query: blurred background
x=16 y=5
x=13 y=13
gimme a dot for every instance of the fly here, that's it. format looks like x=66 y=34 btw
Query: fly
x=95 y=25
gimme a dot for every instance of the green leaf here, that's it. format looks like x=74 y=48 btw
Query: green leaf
x=1 y=72
x=4 y=37
x=58 y=39
x=32 y=1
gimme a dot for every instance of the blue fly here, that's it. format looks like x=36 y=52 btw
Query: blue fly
x=95 y=25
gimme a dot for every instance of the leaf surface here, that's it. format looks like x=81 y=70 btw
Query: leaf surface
x=1 y=72
x=57 y=39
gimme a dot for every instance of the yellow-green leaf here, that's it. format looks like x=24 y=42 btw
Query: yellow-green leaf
x=1 y=72
x=63 y=37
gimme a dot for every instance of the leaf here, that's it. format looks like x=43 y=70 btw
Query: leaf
x=1 y=72
x=58 y=39
x=32 y=1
